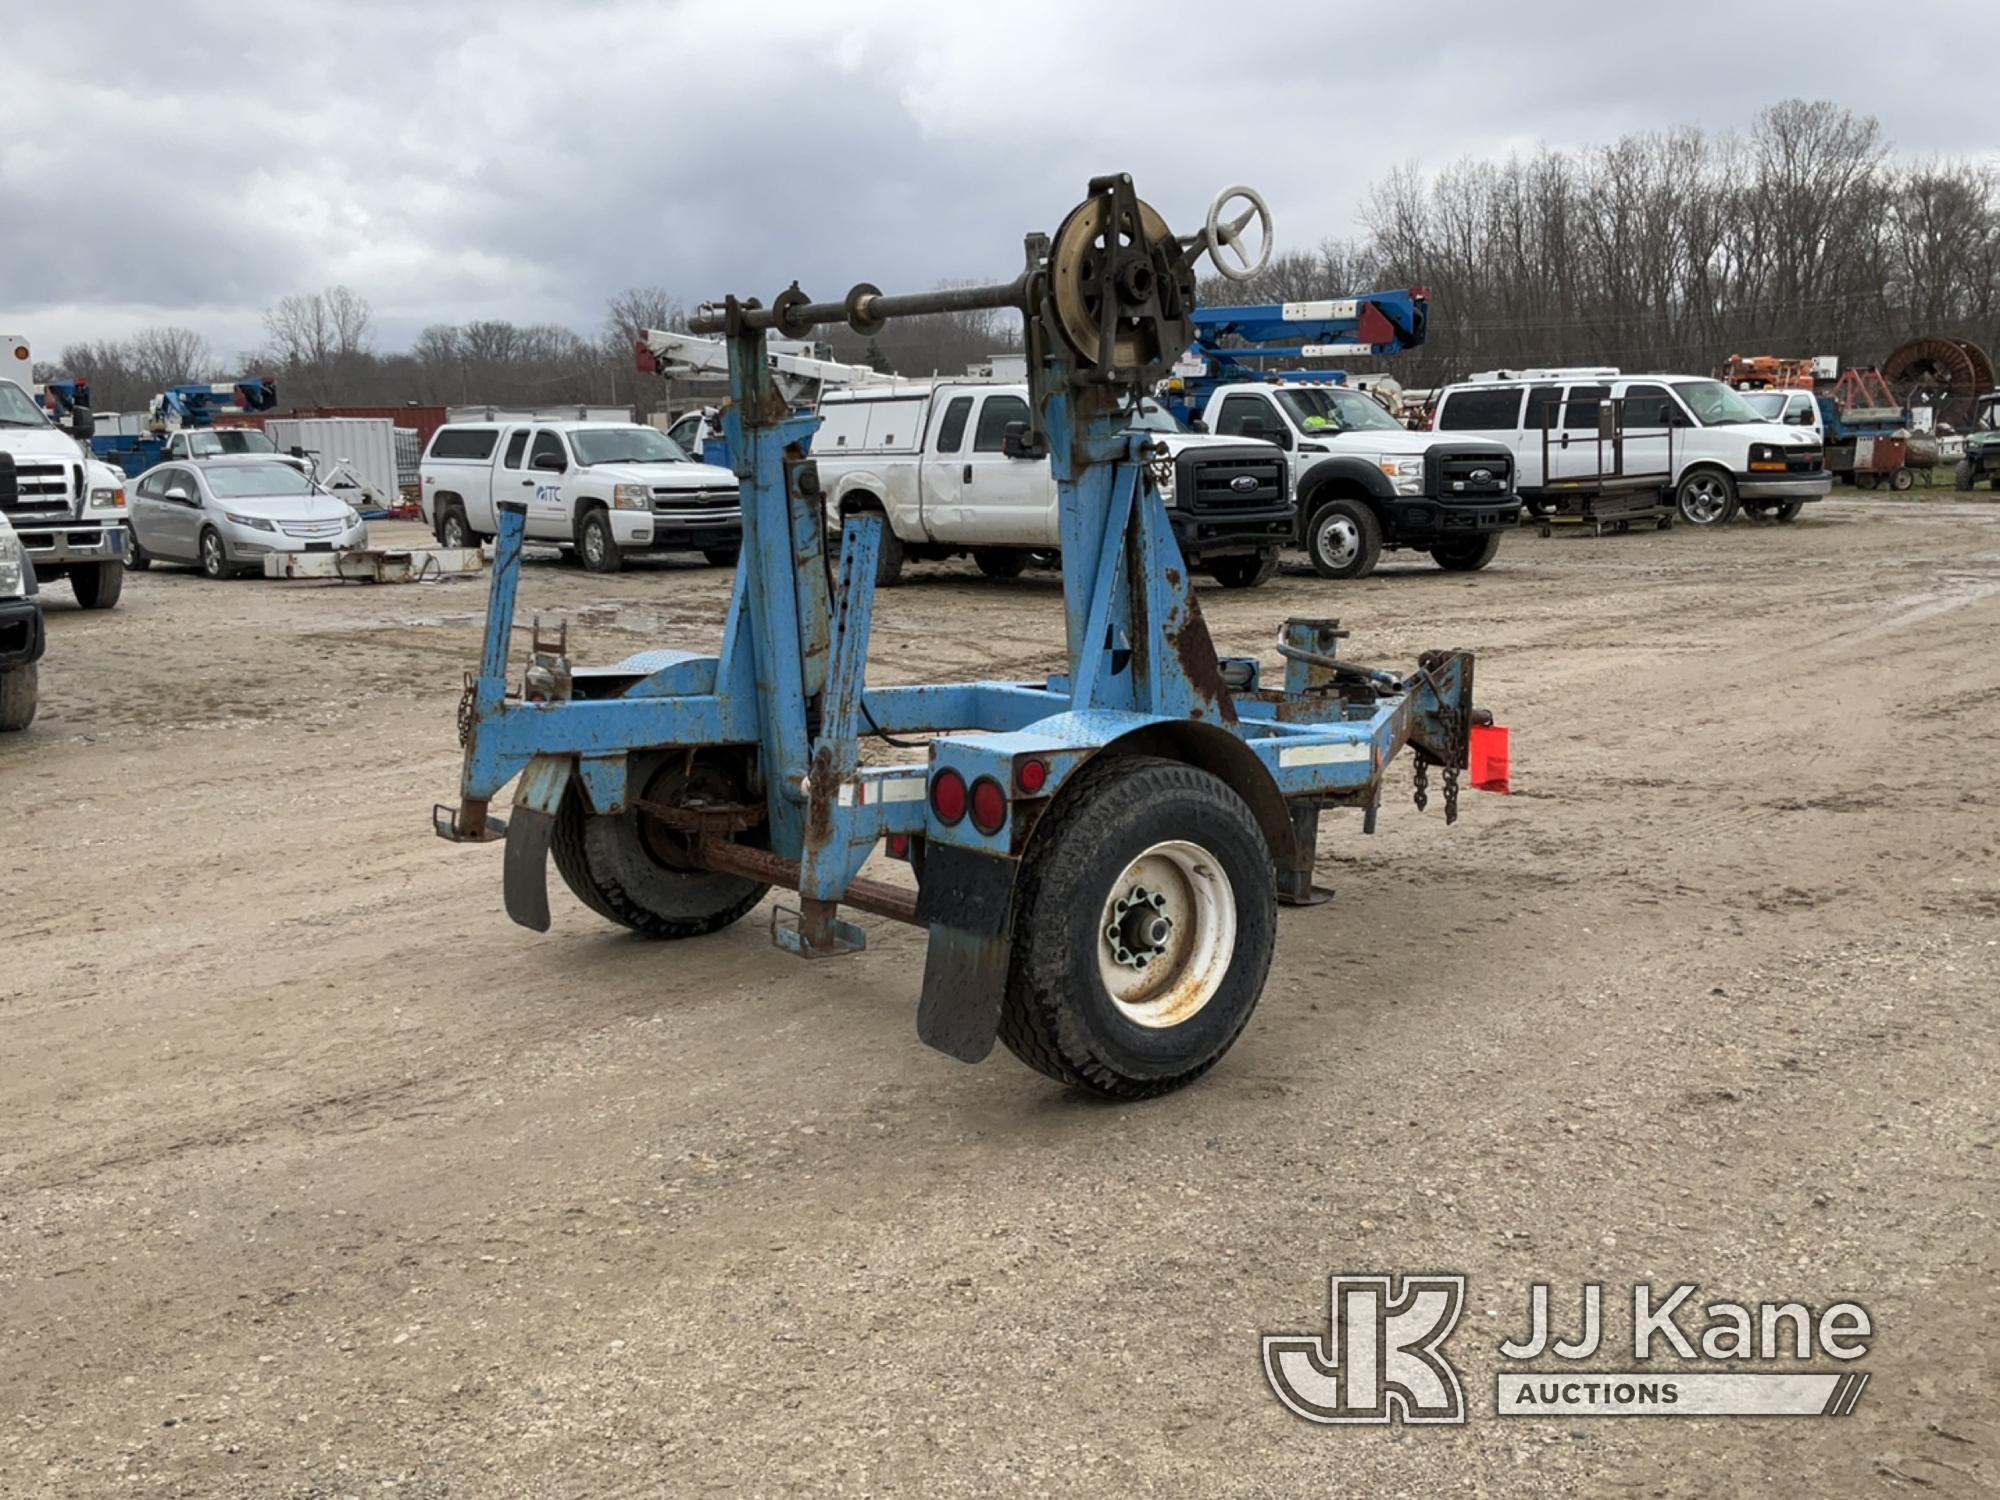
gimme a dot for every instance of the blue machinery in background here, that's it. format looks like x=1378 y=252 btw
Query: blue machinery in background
x=1099 y=854
x=1376 y=325
x=178 y=406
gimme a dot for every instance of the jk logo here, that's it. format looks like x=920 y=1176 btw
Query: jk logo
x=1379 y=1360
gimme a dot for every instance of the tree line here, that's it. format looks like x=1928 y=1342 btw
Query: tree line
x=1672 y=250
x=1665 y=250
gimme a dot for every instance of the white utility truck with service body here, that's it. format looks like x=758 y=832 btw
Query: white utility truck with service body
x=66 y=507
x=948 y=465
x=602 y=489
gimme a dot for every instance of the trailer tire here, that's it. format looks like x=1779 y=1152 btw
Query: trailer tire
x=1467 y=556
x=1962 y=477
x=621 y=871
x=1000 y=562
x=1343 y=539
x=1121 y=822
x=1706 y=497
x=596 y=547
x=19 y=688
x=1902 y=479
x=98 y=585
x=1247 y=570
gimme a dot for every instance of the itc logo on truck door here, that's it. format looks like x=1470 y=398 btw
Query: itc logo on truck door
x=1379 y=1360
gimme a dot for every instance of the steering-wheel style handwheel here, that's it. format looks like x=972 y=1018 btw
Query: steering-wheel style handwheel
x=1229 y=235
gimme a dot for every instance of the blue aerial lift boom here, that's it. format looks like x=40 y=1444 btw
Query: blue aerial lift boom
x=1098 y=855
x=1229 y=339
x=177 y=407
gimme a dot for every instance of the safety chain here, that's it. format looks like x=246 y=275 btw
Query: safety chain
x=1421 y=760
x=1159 y=465
x=1422 y=796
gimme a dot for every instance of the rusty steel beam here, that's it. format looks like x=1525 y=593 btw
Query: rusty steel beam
x=876 y=897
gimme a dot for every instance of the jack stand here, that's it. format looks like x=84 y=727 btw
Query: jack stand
x=1295 y=874
x=815 y=932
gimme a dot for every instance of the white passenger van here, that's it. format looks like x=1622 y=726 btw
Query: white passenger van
x=1714 y=453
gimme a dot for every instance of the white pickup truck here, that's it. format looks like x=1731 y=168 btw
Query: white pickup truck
x=66 y=507
x=20 y=633
x=933 y=459
x=603 y=489
x=1364 y=482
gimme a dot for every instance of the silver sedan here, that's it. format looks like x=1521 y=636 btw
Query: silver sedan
x=224 y=515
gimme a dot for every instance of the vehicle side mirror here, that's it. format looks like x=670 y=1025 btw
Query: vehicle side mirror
x=1800 y=419
x=1016 y=442
x=548 y=462
x=1196 y=424
x=82 y=423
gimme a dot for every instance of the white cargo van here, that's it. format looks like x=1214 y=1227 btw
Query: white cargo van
x=1714 y=453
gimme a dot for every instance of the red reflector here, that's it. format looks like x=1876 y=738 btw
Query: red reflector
x=1033 y=775
x=1491 y=758
x=948 y=796
x=899 y=846
x=989 y=805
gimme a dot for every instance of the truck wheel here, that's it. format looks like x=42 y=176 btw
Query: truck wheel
x=137 y=558
x=1789 y=511
x=1145 y=914
x=453 y=530
x=721 y=557
x=1344 y=540
x=889 y=560
x=1245 y=572
x=595 y=547
x=1000 y=562
x=19 y=688
x=98 y=586
x=633 y=870
x=1707 y=497
x=1962 y=476
x=214 y=556
x=1467 y=556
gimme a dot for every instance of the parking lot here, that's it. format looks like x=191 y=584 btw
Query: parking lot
x=320 y=1178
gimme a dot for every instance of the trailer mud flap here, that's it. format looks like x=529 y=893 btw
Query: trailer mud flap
x=967 y=900
x=531 y=827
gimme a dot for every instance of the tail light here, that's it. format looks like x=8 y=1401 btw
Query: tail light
x=989 y=806
x=948 y=796
x=1032 y=776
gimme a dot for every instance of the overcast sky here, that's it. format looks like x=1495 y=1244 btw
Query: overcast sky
x=190 y=163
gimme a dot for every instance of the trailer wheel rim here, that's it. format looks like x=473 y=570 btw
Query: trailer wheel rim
x=1166 y=935
x=1704 y=500
x=1337 y=540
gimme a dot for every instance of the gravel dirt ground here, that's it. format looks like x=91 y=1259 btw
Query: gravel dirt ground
x=318 y=1178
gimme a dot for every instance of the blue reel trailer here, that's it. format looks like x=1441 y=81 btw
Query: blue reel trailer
x=1099 y=856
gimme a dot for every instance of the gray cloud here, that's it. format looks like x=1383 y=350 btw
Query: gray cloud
x=456 y=160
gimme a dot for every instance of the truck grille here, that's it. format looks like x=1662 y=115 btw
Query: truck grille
x=1804 y=460
x=39 y=489
x=1468 y=473
x=1209 y=484
x=698 y=506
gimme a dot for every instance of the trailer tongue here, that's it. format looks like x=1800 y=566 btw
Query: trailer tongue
x=1099 y=857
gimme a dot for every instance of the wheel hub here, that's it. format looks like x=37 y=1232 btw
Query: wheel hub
x=1166 y=935
x=1338 y=540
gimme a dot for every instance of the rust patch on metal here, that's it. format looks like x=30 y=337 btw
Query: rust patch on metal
x=1196 y=650
x=819 y=801
x=1174 y=577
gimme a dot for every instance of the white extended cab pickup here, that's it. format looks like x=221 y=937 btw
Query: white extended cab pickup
x=933 y=459
x=605 y=489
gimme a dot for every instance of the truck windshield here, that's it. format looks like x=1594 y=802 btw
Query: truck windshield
x=625 y=445
x=1152 y=417
x=1770 y=405
x=228 y=440
x=1325 y=409
x=17 y=407
x=1715 y=404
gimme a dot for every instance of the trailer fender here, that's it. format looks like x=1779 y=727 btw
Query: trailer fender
x=1211 y=748
x=524 y=877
